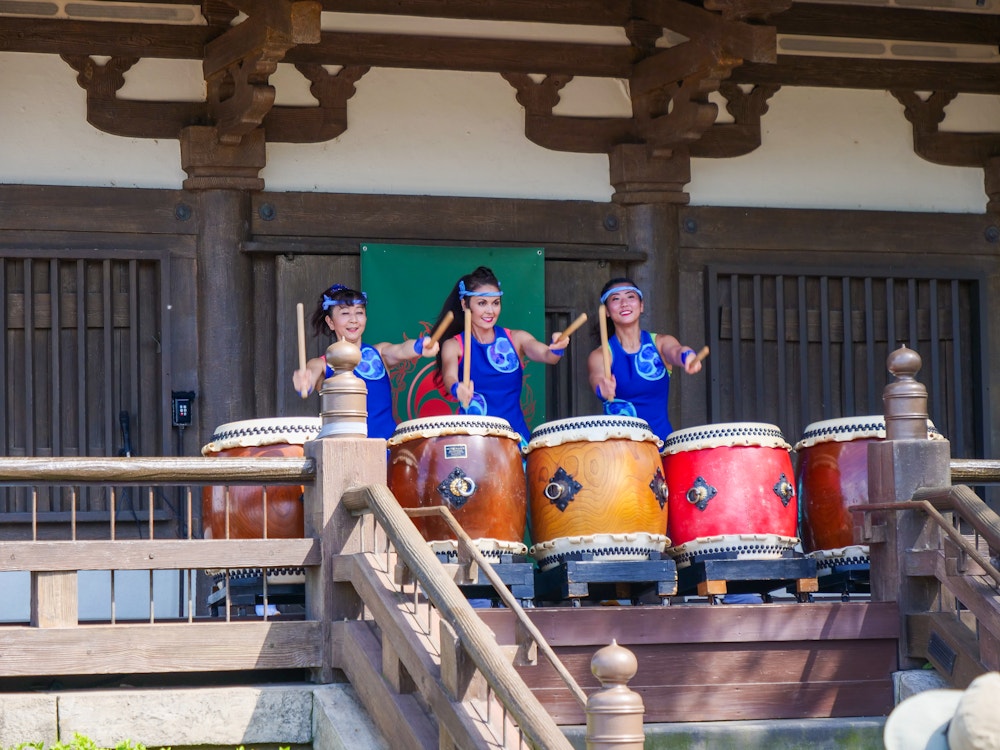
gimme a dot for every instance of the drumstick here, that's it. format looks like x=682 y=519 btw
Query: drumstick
x=702 y=354
x=571 y=328
x=467 y=356
x=300 y=319
x=602 y=314
x=445 y=322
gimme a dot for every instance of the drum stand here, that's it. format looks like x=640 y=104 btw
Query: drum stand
x=715 y=575
x=846 y=579
x=246 y=592
x=579 y=577
x=516 y=571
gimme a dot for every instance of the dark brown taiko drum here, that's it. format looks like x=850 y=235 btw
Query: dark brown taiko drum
x=254 y=438
x=470 y=465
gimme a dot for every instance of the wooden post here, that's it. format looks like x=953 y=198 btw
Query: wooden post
x=615 y=712
x=344 y=458
x=54 y=599
x=906 y=461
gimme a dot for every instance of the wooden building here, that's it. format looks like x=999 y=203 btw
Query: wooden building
x=801 y=185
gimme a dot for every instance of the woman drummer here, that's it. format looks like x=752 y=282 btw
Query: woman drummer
x=344 y=311
x=641 y=362
x=496 y=367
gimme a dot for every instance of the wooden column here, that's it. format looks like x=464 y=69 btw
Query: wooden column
x=224 y=174
x=905 y=461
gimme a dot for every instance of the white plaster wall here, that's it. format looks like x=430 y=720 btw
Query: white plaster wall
x=445 y=133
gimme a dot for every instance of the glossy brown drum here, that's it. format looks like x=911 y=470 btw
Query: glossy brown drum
x=832 y=471
x=596 y=486
x=245 y=517
x=470 y=465
x=732 y=492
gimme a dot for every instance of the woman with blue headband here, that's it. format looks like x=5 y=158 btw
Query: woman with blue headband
x=641 y=362
x=344 y=312
x=497 y=356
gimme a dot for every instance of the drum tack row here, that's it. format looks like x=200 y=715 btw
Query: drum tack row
x=602 y=489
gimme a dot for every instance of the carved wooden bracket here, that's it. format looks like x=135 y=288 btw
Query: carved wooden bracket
x=316 y=124
x=981 y=150
x=726 y=140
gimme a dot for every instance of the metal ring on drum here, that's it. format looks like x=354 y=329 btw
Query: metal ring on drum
x=245 y=517
x=472 y=466
x=596 y=487
x=732 y=492
x=832 y=472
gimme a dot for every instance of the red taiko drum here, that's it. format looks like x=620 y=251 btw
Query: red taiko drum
x=596 y=486
x=250 y=439
x=470 y=465
x=732 y=492
x=832 y=471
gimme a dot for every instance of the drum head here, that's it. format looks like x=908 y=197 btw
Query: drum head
x=725 y=435
x=458 y=424
x=256 y=432
x=870 y=427
x=596 y=428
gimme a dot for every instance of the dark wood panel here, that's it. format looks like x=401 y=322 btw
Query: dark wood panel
x=836 y=231
x=106 y=210
x=595 y=626
x=437 y=219
x=588 y=12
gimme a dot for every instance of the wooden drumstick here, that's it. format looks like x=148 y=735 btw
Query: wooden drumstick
x=467 y=355
x=300 y=319
x=445 y=322
x=603 y=320
x=571 y=328
x=701 y=354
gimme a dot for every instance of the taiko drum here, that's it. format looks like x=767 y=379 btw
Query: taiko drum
x=732 y=491
x=596 y=486
x=472 y=466
x=237 y=512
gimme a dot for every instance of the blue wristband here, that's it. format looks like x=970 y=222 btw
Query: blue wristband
x=418 y=345
x=684 y=356
x=600 y=395
x=454 y=390
x=558 y=352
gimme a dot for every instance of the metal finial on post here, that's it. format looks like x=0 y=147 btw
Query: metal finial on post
x=905 y=400
x=343 y=396
x=615 y=712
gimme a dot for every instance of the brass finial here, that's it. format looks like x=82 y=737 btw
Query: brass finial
x=343 y=396
x=614 y=713
x=905 y=400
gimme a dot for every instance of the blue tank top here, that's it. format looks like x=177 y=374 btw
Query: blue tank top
x=643 y=379
x=497 y=374
x=371 y=369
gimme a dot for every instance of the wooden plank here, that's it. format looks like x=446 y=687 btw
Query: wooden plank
x=947 y=643
x=584 y=12
x=834 y=231
x=79 y=209
x=447 y=219
x=160 y=648
x=54 y=600
x=399 y=718
x=167 y=554
x=778 y=622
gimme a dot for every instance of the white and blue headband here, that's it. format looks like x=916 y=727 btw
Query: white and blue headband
x=462 y=292
x=329 y=301
x=612 y=290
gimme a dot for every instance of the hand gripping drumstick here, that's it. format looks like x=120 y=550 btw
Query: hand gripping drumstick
x=571 y=328
x=701 y=354
x=300 y=319
x=445 y=322
x=603 y=320
x=467 y=354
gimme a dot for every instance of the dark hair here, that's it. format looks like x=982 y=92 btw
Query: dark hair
x=479 y=278
x=335 y=293
x=618 y=281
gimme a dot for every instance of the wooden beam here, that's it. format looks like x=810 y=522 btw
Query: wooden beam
x=112 y=39
x=878 y=74
x=583 y=12
x=756 y=43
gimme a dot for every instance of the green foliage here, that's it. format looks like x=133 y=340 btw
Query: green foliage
x=79 y=742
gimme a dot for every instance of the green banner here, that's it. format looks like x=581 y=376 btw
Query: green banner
x=406 y=287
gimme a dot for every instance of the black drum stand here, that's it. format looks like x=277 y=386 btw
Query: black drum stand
x=579 y=577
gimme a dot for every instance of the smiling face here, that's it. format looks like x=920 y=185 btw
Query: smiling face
x=348 y=322
x=485 y=310
x=623 y=306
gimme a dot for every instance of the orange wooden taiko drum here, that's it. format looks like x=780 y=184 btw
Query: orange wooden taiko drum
x=596 y=486
x=732 y=492
x=472 y=466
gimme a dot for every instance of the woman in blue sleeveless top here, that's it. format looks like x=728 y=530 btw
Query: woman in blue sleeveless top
x=344 y=312
x=641 y=362
x=496 y=367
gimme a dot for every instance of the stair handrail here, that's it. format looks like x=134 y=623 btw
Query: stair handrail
x=478 y=640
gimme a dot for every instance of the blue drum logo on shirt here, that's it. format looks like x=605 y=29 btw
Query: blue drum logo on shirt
x=648 y=363
x=502 y=356
x=370 y=367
